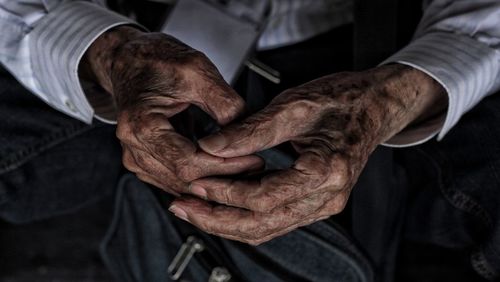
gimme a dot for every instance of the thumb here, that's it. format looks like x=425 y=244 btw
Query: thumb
x=220 y=101
x=258 y=132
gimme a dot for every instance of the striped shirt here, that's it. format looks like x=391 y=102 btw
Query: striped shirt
x=457 y=43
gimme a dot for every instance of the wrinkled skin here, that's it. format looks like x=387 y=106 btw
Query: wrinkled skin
x=334 y=123
x=152 y=77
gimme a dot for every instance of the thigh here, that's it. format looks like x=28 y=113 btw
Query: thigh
x=144 y=239
x=49 y=163
x=460 y=207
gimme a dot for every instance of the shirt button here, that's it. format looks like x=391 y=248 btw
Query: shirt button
x=70 y=105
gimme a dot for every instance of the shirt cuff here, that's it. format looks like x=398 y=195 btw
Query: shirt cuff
x=465 y=67
x=59 y=41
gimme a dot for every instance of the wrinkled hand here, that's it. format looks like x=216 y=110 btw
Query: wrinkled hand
x=334 y=123
x=152 y=77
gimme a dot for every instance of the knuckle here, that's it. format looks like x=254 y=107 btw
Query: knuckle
x=300 y=108
x=122 y=132
x=129 y=163
x=253 y=232
x=184 y=173
x=342 y=177
x=260 y=231
x=131 y=167
x=267 y=206
x=265 y=203
x=339 y=180
x=207 y=228
x=338 y=205
x=260 y=238
x=337 y=209
x=225 y=195
x=254 y=243
x=235 y=102
x=198 y=57
x=141 y=161
x=234 y=106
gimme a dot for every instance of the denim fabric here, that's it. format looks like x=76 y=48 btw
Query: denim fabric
x=378 y=208
x=457 y=202
x=144 y=238
x=50 y=163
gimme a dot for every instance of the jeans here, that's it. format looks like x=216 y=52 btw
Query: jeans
x=49 y=163
x=456 y=188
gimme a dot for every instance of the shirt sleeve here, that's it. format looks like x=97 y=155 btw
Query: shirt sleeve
x=458 y=44
x=43 y=41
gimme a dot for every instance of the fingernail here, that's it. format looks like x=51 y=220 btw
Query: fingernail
x=213 y=143
x=199 y=191
x=180 y=213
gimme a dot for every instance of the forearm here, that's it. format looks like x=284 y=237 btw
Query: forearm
x=456 y=43
x=386 y=100
x=411 y=96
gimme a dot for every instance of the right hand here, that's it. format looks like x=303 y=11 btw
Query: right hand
x=153 y=76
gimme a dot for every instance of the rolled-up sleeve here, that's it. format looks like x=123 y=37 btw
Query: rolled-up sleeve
x=458 y=44
x=42 y=43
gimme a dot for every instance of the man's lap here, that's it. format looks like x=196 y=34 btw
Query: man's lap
x=54 y=164
x=51 y=163
x=457 y=204
x=144 y=238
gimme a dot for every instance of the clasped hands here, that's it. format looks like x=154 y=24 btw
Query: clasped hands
x=333 y=123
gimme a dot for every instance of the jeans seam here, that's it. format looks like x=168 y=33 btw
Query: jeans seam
x=456 y=198
x=19 y=158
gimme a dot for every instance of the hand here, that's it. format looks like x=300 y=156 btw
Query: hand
x=152 y=77
x=334 y=123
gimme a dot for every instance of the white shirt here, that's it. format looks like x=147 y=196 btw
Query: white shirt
x=457 y=43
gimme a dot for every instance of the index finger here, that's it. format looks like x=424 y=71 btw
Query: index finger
x=177 y=154
x=277 y=123
x=254 y=227
x=272 y=191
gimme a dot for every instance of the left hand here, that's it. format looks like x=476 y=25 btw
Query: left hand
x=334 y=123
x=152 y=77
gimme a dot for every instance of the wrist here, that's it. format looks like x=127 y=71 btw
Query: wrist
x=408 y=96
x=98 y=60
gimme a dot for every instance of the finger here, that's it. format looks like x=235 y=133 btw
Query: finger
x=228 y=222
x=129 y=161
x=265 y=129
x=216 y=97
x=154 y=172
x=138 y=129
x=131 y=164
x=310 y=174
x=187 y=163
x=171 y=158
x=331 y=207
x=204 y=165
x=179 y=155
x=287 y=230
x=247 y=226
x=151 y=180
